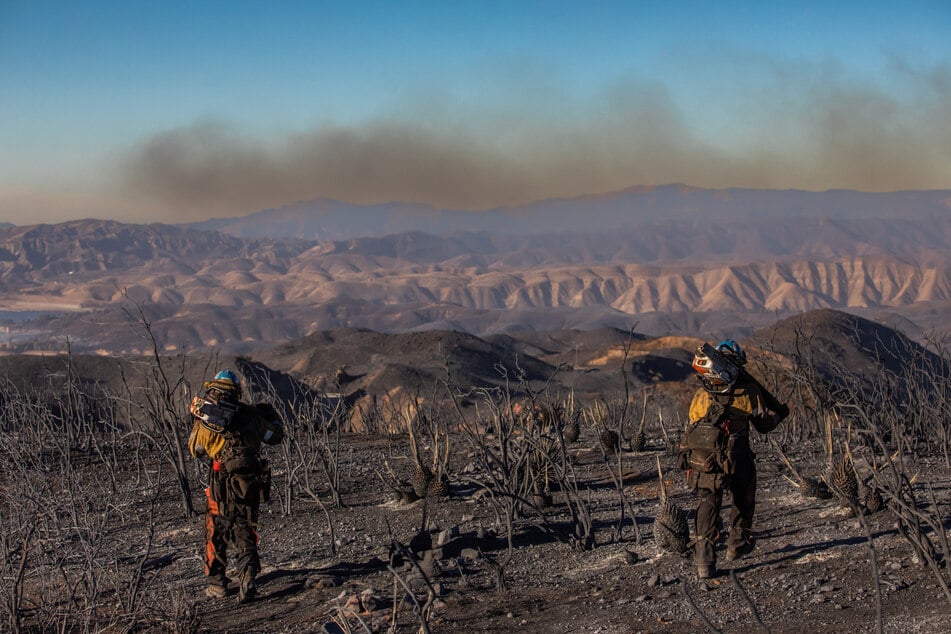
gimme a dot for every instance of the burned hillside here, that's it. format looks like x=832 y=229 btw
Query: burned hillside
x=461 y=512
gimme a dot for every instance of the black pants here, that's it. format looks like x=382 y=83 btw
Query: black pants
x=231 y=521
x=710 y=487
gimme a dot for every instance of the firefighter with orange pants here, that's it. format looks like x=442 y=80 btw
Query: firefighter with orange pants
x=716 y=452
x=232 y=433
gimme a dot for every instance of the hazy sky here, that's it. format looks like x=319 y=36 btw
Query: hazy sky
x=167 y=111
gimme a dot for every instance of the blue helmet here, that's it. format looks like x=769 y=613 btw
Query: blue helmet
x=732 y=350
x=228 y=375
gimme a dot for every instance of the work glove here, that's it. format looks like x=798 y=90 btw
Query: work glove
x=781 y=412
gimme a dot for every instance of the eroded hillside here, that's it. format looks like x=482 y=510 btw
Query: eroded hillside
x=203 y=289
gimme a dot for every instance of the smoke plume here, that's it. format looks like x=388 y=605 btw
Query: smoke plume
x=794 y=128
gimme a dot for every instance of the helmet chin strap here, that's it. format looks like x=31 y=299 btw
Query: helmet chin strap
x=715 y=387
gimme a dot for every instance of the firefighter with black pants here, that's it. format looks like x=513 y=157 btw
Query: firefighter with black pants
x=231 y=433
x=716 y=449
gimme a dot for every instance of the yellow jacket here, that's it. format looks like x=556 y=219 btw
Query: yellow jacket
x=205 y=442
x=252 y=426
x=751 y=403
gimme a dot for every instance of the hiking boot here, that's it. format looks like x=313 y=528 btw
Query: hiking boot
x=216 y=591
x=706 y=571
x=735 y=552
x=247 y=590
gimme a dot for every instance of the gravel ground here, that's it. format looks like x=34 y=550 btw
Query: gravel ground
x=811 y=570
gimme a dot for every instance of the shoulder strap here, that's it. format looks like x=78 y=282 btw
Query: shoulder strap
x=724 y=399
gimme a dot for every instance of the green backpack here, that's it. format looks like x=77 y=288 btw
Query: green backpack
x=704 y=447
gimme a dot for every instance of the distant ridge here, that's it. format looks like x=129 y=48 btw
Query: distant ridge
x=327 y=219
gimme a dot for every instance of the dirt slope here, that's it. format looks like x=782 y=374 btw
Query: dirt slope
x=811 y=570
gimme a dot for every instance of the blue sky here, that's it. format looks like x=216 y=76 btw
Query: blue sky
x=166 y=111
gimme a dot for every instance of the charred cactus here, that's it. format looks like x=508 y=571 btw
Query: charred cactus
x=439 y=487
x=842 y=480
x=610 y=441
x=572 y=430
x=873 y=499
x=671 y=528
x=422 y=478
x=638 y=441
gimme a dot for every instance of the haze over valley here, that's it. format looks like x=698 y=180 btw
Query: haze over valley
x=672 y=260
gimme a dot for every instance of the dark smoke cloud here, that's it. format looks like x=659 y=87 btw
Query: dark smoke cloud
x=800 y=128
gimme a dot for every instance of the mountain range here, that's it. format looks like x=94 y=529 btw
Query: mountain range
x=326 y=219
x=666 y=260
